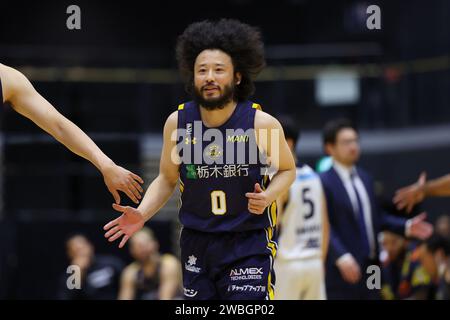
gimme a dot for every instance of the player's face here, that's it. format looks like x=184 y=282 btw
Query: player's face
x=142 y=247
x=214 y=79
x=346 y=149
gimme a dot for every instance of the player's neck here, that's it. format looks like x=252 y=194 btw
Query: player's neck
x=216 y=118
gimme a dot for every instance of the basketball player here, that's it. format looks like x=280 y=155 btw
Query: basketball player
x=19 y=92
x=304 y=234
x=228 y=209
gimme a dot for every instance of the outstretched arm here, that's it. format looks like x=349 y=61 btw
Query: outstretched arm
x=20 y=93
x=158 y=193
x=439 y=187
x=415 y=193
x=160 y=190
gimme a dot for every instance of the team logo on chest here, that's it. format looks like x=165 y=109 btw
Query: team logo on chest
x=213 y=151
x=201 y=147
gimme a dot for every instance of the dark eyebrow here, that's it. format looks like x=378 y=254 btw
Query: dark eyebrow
x=217 y=64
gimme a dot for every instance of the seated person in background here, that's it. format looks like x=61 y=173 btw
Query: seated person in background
x=435 y=257
x=152 y=276
x=403 y=276
x=442 y=225
x=100 y=274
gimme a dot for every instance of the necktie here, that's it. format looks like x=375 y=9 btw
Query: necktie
x=360 y=217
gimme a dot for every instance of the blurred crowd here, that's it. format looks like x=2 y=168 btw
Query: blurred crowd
x=417 y=270
x=151 y=275
x=352 y=234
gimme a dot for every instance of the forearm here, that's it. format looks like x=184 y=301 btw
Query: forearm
x=438 y=187
x=156 y=196
x=280 y=183
x=29 y=103
x=69 y=134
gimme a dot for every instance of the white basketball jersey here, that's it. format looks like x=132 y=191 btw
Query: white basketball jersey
x=301 y=231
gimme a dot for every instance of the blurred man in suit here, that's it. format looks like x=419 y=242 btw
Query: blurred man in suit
x=355 y=219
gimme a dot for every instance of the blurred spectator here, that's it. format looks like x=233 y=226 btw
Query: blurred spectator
x=355 y=217
x=152 y=276
x=435 y=257
x=403 y=275
x=99 y=273
x=442 y=226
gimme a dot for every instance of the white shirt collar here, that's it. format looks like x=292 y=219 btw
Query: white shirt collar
x=343 y=171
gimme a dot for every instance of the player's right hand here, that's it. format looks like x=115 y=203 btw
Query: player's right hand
x=350 y=270
x=120 y=179
x=126 y=225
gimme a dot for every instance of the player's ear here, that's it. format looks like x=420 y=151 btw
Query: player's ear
x=237 y=78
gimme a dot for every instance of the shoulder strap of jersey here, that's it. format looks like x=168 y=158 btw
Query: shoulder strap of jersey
x=256 y=106
x=181 y=116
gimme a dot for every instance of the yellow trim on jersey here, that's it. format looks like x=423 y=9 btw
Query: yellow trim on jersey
x=272 y=208
x=256 y=106
x=272 y=246
x=181 y=185
x=273 y=213
x=270 y=291
x=181 y=106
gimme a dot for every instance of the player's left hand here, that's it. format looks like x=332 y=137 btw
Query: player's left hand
x=119 y=179
x=257 y=200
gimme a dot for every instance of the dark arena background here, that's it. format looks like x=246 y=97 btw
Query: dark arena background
x=117 y=79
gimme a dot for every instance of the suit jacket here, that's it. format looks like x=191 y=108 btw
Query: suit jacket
x=345 y=236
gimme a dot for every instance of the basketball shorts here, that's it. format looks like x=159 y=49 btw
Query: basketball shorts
x=228 y=266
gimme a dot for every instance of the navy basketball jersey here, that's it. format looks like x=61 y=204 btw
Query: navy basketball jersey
x=223 y=166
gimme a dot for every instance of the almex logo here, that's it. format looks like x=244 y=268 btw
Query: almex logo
x=246 y=274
